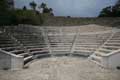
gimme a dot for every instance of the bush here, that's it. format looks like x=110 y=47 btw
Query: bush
x=111 y=11
x=6 y=15
x=7 y=18
x=28 y=17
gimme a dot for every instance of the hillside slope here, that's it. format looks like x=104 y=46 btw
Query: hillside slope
x=65 y=21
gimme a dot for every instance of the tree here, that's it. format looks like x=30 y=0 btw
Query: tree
x=118 y=2
x=106 y=12
x=111 y=11
x=24 y=8
x=33 y=5
x=50 y=10
x=7 y=16
x=3 y=5
x=45 y=9
x=43 y=5
x=116 y=9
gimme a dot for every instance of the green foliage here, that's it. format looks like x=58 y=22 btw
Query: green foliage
x=24 y=8
x=28 y=17
x=3 y=5
x=7 y=16
x=46 y=9
x=106 y=12
x=43 y=5
x=111 y=11
x=33 y=5
x=19 y=16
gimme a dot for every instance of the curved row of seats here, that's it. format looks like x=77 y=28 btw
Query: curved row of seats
x=30 y=41
x=111 y=45
x=23 y=41
x=88 y=43
x=70 y=40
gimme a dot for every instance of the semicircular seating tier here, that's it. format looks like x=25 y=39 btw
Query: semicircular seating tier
x=31 y=42
x=105 y=53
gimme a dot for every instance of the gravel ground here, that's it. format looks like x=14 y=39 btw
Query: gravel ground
x=61 y=68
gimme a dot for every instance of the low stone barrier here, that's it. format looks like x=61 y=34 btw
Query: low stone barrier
x=10 y=61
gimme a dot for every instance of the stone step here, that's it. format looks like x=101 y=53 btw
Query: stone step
x=86 y=51
x=61 y=41
x=4 y=37
x=117 y=45
x=96 y=58
x=97 y=53
x=8 y=45
x=111 y=46
x=54 y=43
x=57 y=50
x=113 y=43
x=28 y=42
x=63 y=44
x=25 y=35
x=88 y=43
x=17 y=51
x=91 y=45
x=117 y=35
x=6 y=42
x=61 y=47
x=24 y=55
x=28 y=59
x=60 y=52
x=61 y=36
x=113 y=40
x=11 y=48
x=40 y=52
x=89 y=48
x=34 y=43
x=36 y=46
x=30 y=39
x=104 y=49
x=36 y=49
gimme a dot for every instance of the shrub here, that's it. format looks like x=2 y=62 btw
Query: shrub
x=7 y=18
x=28 y=17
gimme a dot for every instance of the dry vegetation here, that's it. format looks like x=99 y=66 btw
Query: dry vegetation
x=66 y=21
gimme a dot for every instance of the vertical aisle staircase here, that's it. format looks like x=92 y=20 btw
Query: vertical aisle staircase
x=110 y=46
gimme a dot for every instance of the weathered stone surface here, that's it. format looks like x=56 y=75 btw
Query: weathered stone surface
x=61 y=68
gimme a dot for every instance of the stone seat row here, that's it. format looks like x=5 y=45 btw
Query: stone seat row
x=111 y=45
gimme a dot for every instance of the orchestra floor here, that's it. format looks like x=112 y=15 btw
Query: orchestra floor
x=61 y=68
